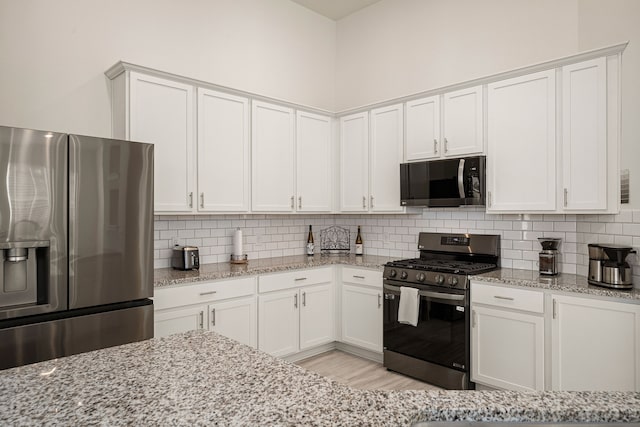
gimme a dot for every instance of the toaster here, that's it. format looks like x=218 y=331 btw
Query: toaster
x=185 y=258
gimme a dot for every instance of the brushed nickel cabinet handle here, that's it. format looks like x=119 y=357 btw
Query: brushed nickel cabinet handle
x=371 y=201
x=446 y=145
x=208 y=293
x=554 y=308
x=213 y=317
x=489 y=197
x=293 y=203
x=300 y=202
x=358 y=277
x=202 y=200
x=202 y=320
x=566 y=192
x=295 y=300
x=435 y=146
x=504 y=298
x=299 y=279
x=191 y=199
x=473 y=318
x=304 y=299
x=364 y=202
x=379 y=300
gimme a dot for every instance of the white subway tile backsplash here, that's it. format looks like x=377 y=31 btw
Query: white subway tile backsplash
x=397 y=235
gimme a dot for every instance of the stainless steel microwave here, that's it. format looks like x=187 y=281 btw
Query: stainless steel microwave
x=442 y=183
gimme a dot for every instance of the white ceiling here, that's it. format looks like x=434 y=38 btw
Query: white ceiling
x=335 y=9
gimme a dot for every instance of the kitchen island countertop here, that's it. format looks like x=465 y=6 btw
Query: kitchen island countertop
x=203 y=378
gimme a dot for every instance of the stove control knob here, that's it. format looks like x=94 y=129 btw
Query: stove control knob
x=439 y=279
x=404 y=275
x=393 y=273
x=453 y=281
x=421 y=277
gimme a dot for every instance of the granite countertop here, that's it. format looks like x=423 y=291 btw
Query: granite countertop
x=203 y=378
x=224 y=270
x=561 y=282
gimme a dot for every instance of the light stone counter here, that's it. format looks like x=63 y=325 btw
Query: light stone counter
x=561 y=282
x=201 y=378
x=224 y=270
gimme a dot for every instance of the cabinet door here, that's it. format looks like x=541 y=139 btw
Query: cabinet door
x=316 y=316
x=273 y=158
x=422 y=128
x=462 y=121
x=173 y=321
x=584 y=135
x=521 y=162
x=314 y=162
x=162 y=113
x=235 y=319
x=362 y=317
x=223 y=152
x=278 y=323
x=507 y=349
x=386 y=155
x=595 y=345
x=354 y=161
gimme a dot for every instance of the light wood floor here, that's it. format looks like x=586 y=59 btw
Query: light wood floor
x=360 y=373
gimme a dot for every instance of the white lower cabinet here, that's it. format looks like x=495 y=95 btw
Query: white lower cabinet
x=235 y=319
x=362 y=308
x=595 y=345
x=507 y=349
x=183 y=319
x=227 y=307
x=507 y=337
x=297 y=317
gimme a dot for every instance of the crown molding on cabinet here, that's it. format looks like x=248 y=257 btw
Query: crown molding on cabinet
x=527 y=69
x=122 y=66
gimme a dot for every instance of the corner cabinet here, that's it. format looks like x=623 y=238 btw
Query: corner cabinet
x=371 y=152
x=595 y=345
x=521 y=161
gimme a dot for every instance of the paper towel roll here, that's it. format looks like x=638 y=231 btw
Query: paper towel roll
x=237 y=242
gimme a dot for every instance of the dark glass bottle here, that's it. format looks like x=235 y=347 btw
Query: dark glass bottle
x=310 y=244
x=359 y=249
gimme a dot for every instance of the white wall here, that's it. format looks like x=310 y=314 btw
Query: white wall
x=607 y=22
x=399 y=47
x=53 y=53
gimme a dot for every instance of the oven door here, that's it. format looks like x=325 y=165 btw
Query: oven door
x=441 y=336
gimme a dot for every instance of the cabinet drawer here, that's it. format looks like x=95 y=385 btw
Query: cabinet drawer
x=292 y=279
x=518 y=299
x=362 y=276
x=203 y=292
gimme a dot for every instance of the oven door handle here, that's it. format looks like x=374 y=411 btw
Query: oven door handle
x=439 y=295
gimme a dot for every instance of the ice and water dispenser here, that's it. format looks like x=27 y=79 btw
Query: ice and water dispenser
x=24 y=273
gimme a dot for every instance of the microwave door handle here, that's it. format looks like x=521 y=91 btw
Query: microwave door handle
x=461 y=178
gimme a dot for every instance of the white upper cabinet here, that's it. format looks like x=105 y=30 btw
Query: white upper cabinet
x=354 y=161
x=584 y=135
x=273 y=157
x=314 y=162
x=423 y=129
x=161 y=112
x=521 y=160
x=223 y=152
x=462 y=122
x=386 y=155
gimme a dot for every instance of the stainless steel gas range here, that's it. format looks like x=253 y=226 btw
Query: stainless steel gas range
x=437 y=348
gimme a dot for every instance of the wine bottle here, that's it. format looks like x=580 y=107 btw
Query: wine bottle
x=310 y=245
x=359 y=243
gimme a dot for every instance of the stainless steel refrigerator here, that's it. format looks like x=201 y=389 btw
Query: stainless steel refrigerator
x=76 y=244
